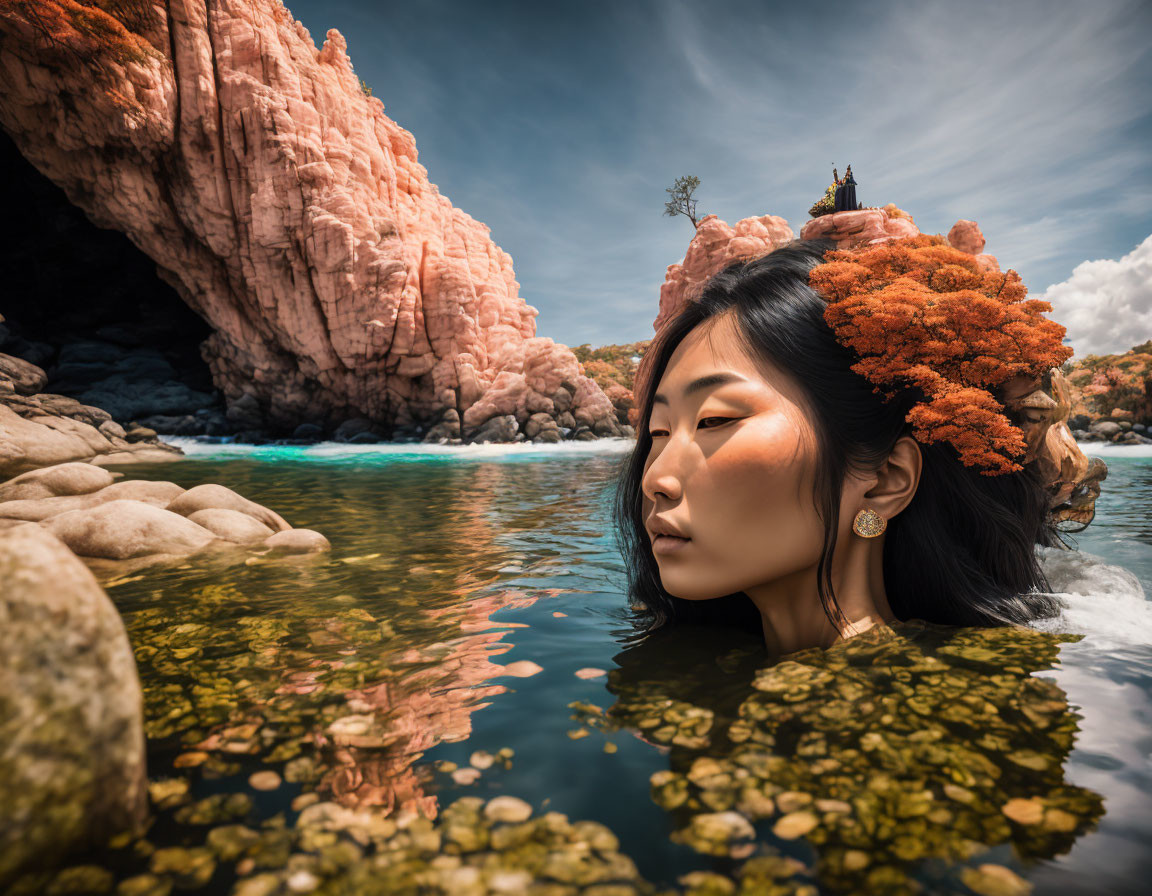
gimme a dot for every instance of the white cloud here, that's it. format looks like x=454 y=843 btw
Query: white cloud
x=1106 y=305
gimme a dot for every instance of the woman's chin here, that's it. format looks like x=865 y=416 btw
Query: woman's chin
x=687 y=592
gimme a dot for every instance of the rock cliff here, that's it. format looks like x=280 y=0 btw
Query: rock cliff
x=292 y=215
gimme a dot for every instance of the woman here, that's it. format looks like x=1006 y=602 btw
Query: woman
x=772 y=485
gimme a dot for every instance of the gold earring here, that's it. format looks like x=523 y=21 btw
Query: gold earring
x=869 y=523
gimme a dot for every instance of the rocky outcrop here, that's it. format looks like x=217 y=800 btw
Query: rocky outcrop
x=72 y=760
x=862 y=227
x=878 y=225
x=42 y=429
x=292 y=215
x=99 y=518
x=966 y=236
x=714 y=245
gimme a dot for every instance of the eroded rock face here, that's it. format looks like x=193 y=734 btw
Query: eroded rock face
x=292 y=214
x=861 y=227
x=715 y=245
x=72 y=761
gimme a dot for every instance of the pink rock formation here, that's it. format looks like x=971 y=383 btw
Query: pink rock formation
x=859 y=228
x=966 y=236
x=714 y=245
x=291 y=213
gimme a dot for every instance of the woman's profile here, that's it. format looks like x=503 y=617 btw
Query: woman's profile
x=791 y=477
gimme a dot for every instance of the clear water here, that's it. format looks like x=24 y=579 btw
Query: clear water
x=906 y=762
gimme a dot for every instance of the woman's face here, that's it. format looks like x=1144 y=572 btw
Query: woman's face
x=731 y=466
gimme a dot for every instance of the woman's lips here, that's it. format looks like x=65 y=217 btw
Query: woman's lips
x=669 y=544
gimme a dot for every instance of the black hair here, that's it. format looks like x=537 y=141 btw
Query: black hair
x=962 y=552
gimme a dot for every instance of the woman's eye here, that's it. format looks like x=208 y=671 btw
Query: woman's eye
x=719 y=421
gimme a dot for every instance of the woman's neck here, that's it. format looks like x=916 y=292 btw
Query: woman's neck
x=793 y=617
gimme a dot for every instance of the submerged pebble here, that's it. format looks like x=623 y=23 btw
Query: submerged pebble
x=266 y=780
x=465 y=776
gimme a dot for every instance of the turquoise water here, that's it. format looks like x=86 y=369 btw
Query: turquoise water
x=371 y=677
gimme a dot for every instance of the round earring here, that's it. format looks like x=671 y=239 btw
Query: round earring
x=869 y=523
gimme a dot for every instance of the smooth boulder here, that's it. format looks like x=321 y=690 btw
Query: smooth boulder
x=231 y=525
x=203 y=497
x=74 y=478
x=72 y=758
x=120 y=530
x=158 y=494
x=298 y=541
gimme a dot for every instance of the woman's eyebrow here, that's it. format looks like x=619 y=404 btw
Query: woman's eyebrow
x=704 y=382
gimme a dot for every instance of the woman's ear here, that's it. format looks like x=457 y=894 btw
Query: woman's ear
x=897 y=479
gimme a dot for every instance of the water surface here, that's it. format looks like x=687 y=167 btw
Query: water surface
x=372 y=682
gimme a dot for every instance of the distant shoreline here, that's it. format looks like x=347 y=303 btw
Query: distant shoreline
x=196 y=446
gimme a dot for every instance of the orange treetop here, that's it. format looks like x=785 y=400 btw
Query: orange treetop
x=923 y=314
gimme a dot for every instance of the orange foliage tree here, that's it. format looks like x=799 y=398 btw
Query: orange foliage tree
x=922 y=314
x=101 y=36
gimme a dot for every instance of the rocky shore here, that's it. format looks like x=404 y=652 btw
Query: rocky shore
x=72 y=755
x=97 y=517
x=1116 y=431
x=43 y=428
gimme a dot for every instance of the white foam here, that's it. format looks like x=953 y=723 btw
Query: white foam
x=197 y=447
x=1108 y=449
x=1106 y=603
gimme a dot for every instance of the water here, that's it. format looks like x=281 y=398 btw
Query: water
x=363 y=675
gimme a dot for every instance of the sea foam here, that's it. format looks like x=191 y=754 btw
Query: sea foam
x=341 y=451
x=1104 y=602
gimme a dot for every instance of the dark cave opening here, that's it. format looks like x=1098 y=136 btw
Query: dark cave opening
x=87 y=306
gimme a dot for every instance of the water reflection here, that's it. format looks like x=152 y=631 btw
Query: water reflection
x=870 y=762
x=928 y=756
x=338 y=672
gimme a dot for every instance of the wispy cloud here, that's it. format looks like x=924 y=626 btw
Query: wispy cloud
x=559 y=125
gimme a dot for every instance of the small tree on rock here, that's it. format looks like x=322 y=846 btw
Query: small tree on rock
x=682 y=202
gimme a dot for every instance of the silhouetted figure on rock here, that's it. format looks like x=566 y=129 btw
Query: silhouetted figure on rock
x=846 y=193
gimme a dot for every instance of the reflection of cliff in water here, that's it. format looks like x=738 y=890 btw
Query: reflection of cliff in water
x=339 y=673
x=881 y=754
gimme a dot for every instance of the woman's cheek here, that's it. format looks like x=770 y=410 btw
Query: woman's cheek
x=756 y=480
x=758 y=464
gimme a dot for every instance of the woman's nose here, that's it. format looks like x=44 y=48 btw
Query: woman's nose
x=663 y=475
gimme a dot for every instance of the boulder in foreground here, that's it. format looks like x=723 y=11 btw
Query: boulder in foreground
x=72 y=761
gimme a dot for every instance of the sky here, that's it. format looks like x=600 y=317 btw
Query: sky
x=560 y=125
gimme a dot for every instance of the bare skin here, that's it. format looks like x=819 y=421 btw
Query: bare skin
x=732 y=467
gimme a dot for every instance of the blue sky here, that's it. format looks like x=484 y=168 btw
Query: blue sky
x=561 y=124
